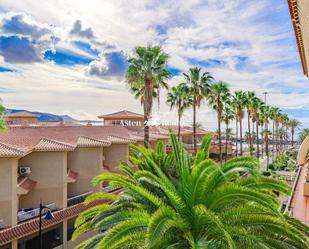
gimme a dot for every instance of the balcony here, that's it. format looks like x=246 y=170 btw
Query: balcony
x=29 y=213
x=77 y=199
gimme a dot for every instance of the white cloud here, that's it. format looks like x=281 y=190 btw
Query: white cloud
x=228 y=31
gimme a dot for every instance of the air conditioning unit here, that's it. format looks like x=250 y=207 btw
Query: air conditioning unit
x=24 y=170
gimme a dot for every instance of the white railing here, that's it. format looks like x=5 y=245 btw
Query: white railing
x=288 y=209
x=29 y=214
x=78 y=198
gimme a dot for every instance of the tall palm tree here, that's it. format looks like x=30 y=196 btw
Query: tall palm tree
x=146 y=74
x=199 y=85
x=256 y=105
x=285 y=126
x=227 y=116
x=218 y=96
x=266 y=134
x=179 y=97
x=274 y=112
x=294 y=124
x=239 y=105
x=249 y=98
x=193 y=204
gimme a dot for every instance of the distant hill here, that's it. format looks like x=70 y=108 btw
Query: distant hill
x=45 y=117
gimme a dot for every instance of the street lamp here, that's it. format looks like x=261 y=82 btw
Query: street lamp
x=47 y=216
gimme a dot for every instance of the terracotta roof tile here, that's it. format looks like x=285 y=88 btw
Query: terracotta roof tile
x=122 y=114
x=25 y=184
x=52 y=145
x=11 y=151
x=120 y=140
x=90 y=142
x=31 y=226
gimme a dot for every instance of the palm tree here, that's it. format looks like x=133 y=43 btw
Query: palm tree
x=266 y=134
x=303 y=134
x=194 y=204
x=249 y=97
x=294 y=124
x=2 y=113
x=274 y=113
x=179 y=97
x=256 y=105
x=219 y=96
x=227 y=116
x=199 y=85
x=239 y=104
x=146 y=75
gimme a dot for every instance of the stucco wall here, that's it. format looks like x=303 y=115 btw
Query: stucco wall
x=88 y=163
x=114 y=154
x=49 y=170
x=8 y=188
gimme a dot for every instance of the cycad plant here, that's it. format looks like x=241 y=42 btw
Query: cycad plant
x=179 y=96
x=146 y=75
x=199 y=85
x=176 y=201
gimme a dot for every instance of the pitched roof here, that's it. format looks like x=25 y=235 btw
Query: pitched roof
x=121 y=140
x=90 y=142
x=122 y=114
x=52 y=145
x=10 y=151
x=25 y=184
x=21 y=114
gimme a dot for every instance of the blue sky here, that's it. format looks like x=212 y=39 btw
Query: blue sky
x=69 y=57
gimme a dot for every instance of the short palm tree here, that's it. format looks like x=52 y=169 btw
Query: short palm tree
x=294 y=124
x=179 y=97
x=176 y=201
x=146 y=75
x=227 y=117
x=219 y=96
x=199 y=85
x=239 y=104
x=303 y=134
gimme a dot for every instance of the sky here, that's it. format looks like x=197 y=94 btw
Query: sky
x=70 y=56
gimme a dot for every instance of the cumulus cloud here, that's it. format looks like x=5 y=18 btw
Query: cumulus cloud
x=18 y=50
x=23 y=24
x=78 y=31
x=108 y=65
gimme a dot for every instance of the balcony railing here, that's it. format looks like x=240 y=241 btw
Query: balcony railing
x=78 y=199
x=29 y=213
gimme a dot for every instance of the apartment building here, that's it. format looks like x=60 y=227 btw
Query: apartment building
x=55 y=166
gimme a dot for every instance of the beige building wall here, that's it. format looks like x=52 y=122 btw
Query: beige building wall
x=87 y=162
x=114 y=154
x=8 y=193
x=49 y=170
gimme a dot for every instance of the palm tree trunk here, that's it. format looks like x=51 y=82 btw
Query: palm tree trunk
x=273 y=141
x=267 y=156
x=250 y=138
x=219 y=130
x=147 y=110
x=292 y=136
x=240 y=131
x=194 y=124
x=262 y=140
x=236 y=136
x=226 y=131
x=257 y=139
x=277 y=138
